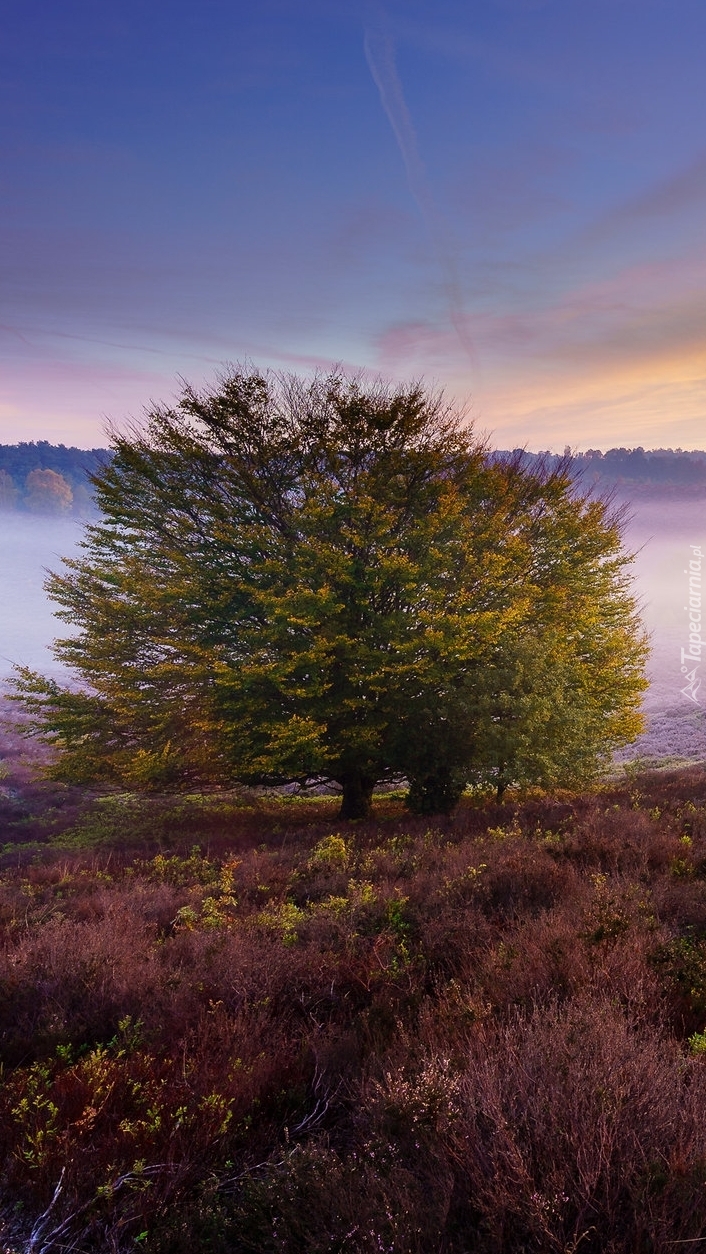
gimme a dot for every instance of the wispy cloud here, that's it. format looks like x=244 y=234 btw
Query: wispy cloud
x=380 y=55
x=35 y=338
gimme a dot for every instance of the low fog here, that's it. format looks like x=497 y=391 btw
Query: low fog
x=30 y=545
x=661 y=531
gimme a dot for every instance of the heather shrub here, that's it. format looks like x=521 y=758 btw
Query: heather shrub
x=485 y=1035
x=573 y=1124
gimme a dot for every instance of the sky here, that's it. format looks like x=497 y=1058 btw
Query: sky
x=505 y=198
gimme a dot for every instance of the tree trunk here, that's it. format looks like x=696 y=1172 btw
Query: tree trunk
x=502 y=782
x=357 y=796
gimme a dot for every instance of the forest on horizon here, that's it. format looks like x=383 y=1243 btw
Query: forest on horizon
x=38 y=477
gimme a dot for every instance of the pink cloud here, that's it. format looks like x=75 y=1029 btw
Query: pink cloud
x=643 y=310
x=405 y=342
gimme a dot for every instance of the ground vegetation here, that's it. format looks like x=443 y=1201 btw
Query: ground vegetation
x=233 y=1024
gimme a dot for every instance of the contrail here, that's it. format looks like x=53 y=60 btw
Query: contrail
x=380 y=55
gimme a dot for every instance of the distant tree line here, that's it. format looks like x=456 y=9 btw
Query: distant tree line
x=662 y=466
x=43 y=478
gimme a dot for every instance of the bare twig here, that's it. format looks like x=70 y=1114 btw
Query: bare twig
x=42 y=1242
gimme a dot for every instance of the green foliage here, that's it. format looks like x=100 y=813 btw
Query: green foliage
x=8 y=492
x=332 y=853
x=36 y=1116
x=683 y=961
x=326 y=581
x=283 y=920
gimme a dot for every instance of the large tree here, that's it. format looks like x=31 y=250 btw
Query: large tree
x=297 y=581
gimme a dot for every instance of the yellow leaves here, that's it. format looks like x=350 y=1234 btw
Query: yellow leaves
x=212 y=913
x=283 y=920
x=294 y=739
x=332 y=853
x=37 y=1116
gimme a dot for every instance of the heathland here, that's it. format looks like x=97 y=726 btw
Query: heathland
x=233 y=1023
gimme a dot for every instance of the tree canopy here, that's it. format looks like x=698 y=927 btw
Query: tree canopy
x=333 y=581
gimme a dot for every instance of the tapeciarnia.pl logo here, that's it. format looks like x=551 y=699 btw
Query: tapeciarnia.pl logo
x=693 y=609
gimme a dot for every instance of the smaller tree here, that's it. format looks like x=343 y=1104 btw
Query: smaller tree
x=558 y=687
x=47 y=492
x=8 y=491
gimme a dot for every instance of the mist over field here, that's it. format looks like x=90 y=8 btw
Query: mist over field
x=29 y=547
x=661 y=531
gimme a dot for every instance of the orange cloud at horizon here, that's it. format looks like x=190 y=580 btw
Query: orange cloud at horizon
x=618 y=361
x=623 y=408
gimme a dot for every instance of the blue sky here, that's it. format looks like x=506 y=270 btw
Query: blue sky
x=505 y=197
